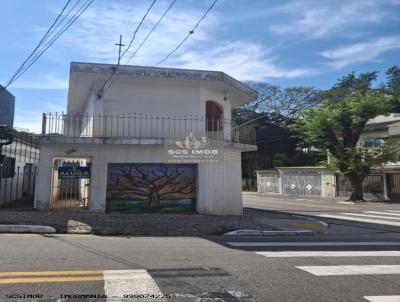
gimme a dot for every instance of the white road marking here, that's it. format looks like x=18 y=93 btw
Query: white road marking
x=393 y=211
x=130 y=282
x=372 y=216
x=293 y=254
x=347 y=270
x=383 y=213
x=375 y=221
x=383 y=298
x=334 y=243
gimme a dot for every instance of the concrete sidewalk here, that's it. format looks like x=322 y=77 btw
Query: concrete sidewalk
x=159 y=224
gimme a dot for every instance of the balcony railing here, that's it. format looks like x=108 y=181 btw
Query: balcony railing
x=145 y=126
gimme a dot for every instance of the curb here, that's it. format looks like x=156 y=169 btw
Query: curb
x=270 y=233
x=24 y=228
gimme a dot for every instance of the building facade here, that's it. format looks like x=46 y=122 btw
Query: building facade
x=7 y=104
x=124 y=141
x=383 y=183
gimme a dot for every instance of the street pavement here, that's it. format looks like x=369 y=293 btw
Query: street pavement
x=341 y=215
x=353 y=261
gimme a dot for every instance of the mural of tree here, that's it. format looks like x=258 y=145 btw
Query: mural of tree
x=152 y=181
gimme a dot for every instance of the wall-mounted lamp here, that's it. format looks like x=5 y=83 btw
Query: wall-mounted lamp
x=225 y=98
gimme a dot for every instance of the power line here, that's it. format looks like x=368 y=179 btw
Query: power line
x=189 y=33
x=137 y=28
x=129 y=46
x=144 y=40
x=151 y=31
x=71 y=21
x=40 y=43
x=48 y=32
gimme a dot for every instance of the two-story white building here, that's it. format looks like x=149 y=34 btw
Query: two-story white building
x=145 y=140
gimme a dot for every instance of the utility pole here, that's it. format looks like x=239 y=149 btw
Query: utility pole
x=119 y=48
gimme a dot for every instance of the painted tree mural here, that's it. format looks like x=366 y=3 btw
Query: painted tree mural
x=151 y=182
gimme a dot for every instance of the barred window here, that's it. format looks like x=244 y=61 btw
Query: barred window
x=7 y=167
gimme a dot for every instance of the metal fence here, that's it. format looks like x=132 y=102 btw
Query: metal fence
x=372 y=187
x=145 y=126
x=18 y=163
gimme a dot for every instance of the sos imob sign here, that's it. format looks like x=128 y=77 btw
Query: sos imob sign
x=192 y=150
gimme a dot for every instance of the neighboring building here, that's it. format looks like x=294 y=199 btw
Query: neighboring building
x=121 y=145
x=18 y=163
x=19 y=155
x=7 y=104
x=382 y=183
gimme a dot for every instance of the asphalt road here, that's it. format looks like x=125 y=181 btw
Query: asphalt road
x=343 y=217
x=359 y=263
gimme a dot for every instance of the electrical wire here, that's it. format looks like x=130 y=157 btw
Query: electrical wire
x=71 y=21
x=42 y=40
x=144 y=40
x=189 y=34
x=129 y=46
x=137 y=28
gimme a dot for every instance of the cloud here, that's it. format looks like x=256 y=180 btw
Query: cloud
x=318 y=19
x=245 y=61
x=361 y=52
x=98 y=31
x=32 y=119
x=46 y=81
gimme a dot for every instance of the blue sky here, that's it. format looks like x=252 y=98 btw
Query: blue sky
x=295 y=42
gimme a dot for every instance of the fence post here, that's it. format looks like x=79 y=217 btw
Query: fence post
x=44 y=121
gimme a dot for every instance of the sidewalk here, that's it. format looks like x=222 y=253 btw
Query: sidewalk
x=158 y=224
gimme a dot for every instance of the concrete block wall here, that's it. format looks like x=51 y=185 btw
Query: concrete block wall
x=218 y=184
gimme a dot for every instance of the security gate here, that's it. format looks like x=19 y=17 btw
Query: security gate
x=372 y=187
x=268 y=182
x=70 y=184
x=306 y=183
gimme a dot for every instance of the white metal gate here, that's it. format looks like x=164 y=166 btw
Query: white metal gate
x=268 y=182
x=306 y=183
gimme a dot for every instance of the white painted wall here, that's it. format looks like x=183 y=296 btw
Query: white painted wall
x=219 y=184
x=150 y=109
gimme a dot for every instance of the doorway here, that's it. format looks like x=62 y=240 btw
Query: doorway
x=70 y=190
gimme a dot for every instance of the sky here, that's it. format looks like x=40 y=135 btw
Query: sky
x=286 y=43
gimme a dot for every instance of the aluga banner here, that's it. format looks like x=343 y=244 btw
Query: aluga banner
x=73 y=172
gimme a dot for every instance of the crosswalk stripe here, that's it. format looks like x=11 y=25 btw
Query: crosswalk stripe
x=347 y=270
x=383 y=213
x=294 y=254
x=334 y=243
x=371 y=215
x=118 y=283
x=383 y=298
x=359 y=219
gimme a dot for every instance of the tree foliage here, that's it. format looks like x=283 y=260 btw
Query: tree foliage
x=337 y=123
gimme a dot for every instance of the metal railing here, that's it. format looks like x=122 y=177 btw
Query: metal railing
x=145 y=126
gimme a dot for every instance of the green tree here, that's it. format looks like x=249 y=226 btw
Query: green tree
x=336 y=126
x=392 y=86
